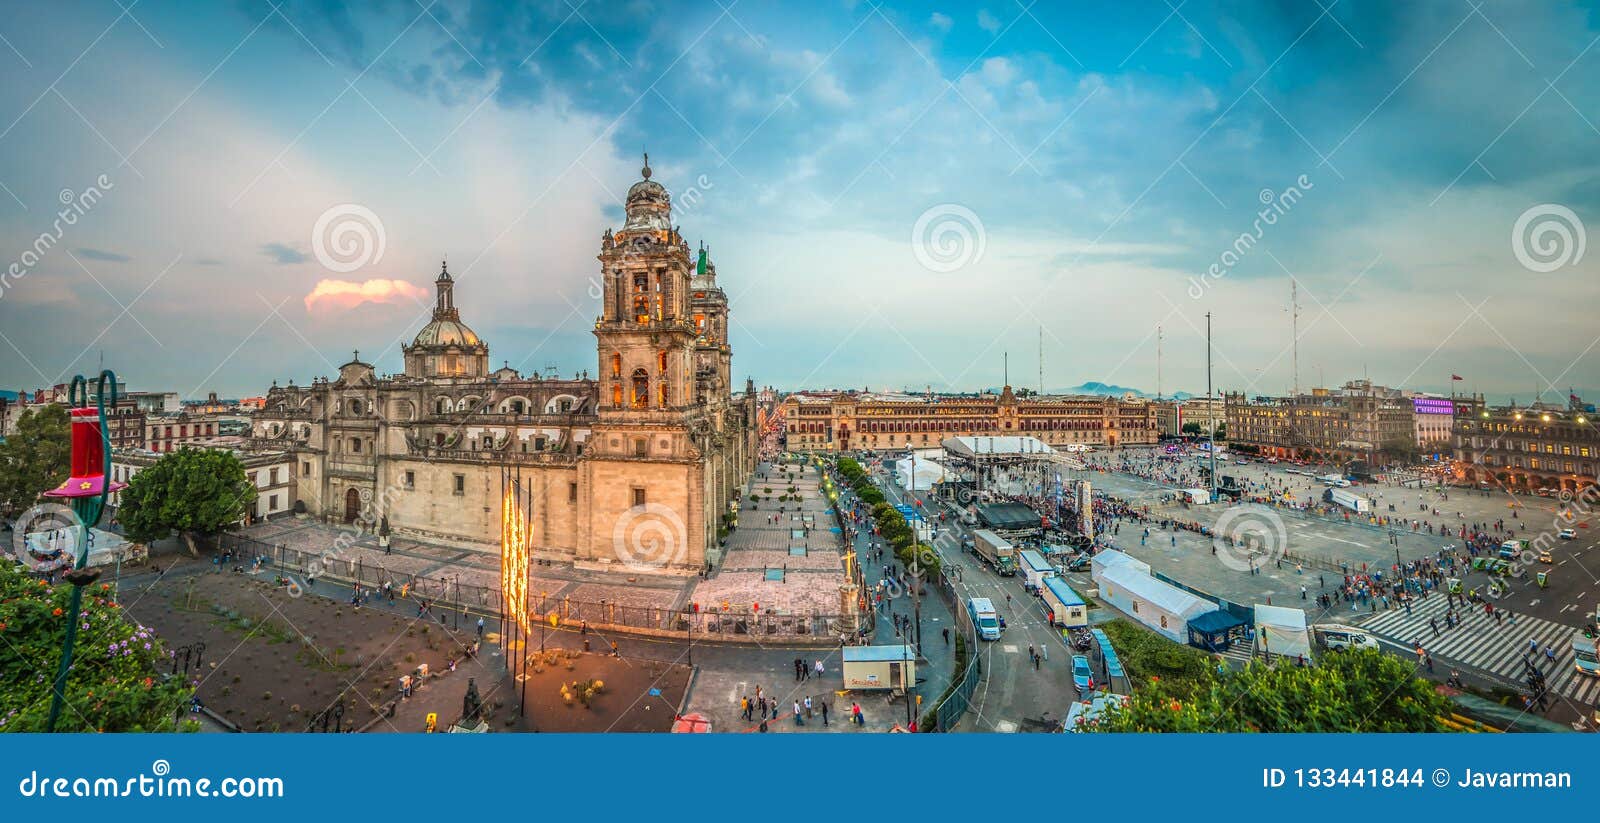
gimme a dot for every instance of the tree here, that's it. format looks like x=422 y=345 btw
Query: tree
x=35 y=458
x=1347 y=691
x=120 y=679
x=189 y=491
x=1191 y=428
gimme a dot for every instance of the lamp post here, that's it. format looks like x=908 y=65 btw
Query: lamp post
x=85 y=490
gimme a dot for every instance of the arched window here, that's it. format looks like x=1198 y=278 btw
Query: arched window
x=355 y=406
x=662 y=358
x=616 y=395
x=641 y=389
x=665 y=396
x=355 y=445
x=616 y=364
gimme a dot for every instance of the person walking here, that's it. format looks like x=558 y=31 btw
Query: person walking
x=819 y=669
x=808 y=705
x=480 y=620
x=823 y=705
x=798 y=720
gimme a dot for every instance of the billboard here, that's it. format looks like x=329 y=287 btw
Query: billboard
x=1432 y=405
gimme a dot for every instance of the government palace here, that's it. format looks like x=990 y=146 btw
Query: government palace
x=655 y=441
x=842 y=421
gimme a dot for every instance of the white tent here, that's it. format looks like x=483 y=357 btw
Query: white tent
x=1282 y=631
x=926 y=474
x=1125 y=583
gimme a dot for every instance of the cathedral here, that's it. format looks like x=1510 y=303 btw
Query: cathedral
x=641 y=463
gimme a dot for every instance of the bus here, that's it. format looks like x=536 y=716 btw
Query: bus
x=1583 y=654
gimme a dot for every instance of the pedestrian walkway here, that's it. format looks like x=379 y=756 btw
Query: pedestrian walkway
x=1479 y=641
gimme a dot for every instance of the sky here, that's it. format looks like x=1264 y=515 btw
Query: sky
x=213 y=197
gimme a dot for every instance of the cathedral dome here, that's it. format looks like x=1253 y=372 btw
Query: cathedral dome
x=446 y=333
x=649 y=206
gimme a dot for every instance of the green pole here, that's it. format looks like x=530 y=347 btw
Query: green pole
x=87 y=510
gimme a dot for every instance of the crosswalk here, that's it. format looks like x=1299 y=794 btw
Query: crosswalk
x=1478 y=641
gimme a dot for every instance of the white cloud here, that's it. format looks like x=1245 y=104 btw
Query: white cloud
x=988 y=22
x=942 y=22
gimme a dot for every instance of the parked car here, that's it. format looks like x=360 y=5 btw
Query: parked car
x=1079 y=563
x=1081 y=675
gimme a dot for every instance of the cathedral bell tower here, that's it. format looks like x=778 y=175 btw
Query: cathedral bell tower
x=645 y=334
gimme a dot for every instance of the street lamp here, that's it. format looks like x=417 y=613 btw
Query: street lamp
x=85 y=490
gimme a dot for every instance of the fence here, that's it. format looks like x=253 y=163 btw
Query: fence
x=958 y=698
x=449 y=594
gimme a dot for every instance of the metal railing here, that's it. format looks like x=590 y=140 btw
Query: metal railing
x=447 y=593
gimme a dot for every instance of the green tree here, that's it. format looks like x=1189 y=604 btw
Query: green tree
x=189 y=491
x=1191 y=428
x=35 y=458
x=118 y=681
x=1347 y=691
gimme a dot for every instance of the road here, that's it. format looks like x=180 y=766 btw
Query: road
x=1012 y=690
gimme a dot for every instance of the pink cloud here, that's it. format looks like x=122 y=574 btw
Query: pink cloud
x=342 y=295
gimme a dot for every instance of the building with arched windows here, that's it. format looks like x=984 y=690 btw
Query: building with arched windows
x=636 y=463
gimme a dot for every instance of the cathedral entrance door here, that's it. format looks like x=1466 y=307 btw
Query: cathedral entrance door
x=352 y=505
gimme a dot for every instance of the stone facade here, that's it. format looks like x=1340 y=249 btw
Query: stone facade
x=842 y=421
x=1526 y=448
x=638 y=464
x=1359 y=421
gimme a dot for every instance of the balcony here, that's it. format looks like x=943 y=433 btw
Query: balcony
x=353 y=469
x=517 y=458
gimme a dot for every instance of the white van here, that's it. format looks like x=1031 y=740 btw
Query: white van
x=1336 y=636
x=984 y=618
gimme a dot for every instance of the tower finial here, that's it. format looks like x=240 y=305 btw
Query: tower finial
x=646 y=170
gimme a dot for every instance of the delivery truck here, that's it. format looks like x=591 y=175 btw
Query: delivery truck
x=995 y=551
x=1348 y=499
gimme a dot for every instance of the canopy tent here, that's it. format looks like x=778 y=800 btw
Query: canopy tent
x=1282 y=631
x=1214 y=631
x=1008 y=517
x=925 y=474
x=1166 y=609
x=972 y=447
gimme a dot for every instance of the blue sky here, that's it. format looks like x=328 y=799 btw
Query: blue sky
x=895 y=195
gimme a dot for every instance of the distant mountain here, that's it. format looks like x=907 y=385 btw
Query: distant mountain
x=1112 y=390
